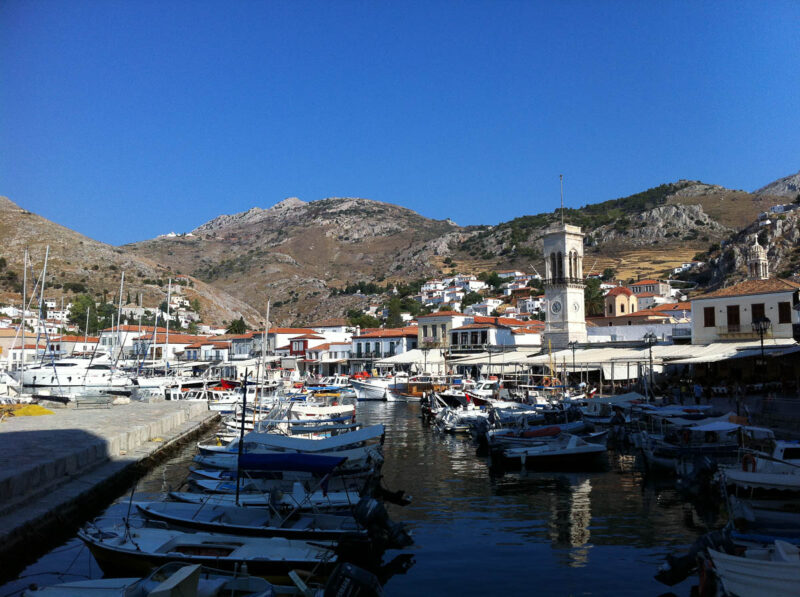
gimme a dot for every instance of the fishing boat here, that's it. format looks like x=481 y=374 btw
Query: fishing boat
x=298 y=497
x=120 y=549
x=773 y=571
x=170 y=579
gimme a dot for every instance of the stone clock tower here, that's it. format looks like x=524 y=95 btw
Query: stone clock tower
x=563 y=286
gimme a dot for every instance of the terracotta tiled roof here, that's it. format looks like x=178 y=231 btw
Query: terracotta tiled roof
x=527 y=331
x=682 y=306
x=290 y=331
x=392 y=332
x=619 y=290
x=320 y=347
x=644 y=282
x=749 y=287
x=510 y=321
x=311 y=336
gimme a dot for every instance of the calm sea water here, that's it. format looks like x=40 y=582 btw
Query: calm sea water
x=481 y=534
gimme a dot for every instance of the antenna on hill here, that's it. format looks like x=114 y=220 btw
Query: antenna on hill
x=561 y=179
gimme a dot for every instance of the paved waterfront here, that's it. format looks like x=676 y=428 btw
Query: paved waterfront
x=50 y=464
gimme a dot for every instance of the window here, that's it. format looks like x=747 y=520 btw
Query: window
x=784 y=312
x=708 y=317
x=757 y=311
x=444 y=331
x=622 y=308
x=424 y=331
x=484 y=337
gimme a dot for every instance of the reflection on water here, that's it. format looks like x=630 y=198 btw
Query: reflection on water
x=478 y=533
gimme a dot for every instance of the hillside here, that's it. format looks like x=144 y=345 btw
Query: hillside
x=295 y=252
x=787 y=187
x=77 y=262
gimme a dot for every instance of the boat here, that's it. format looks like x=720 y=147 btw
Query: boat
x=173 y=578
x=120 y=549
x=298 y=497
x=369 y=522
x=74 y=374
x=562 y=452
x=773 y=571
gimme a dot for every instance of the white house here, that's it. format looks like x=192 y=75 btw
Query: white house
x=485 y=308
x=729 y=313
x=378 y=344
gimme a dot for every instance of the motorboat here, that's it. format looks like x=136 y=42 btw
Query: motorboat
x=562 y=451
x=73 y=374
x=773 y=571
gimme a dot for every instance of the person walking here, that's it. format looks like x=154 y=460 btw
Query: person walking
x=698 y=393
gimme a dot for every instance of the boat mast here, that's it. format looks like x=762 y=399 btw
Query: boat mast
x=41 y=302
x=166 y=338
x=119 y=315
x=24 y=300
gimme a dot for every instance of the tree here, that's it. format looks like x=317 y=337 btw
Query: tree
x=471 y=298
x=593 y=297
x=357 y=318
x=237 y=326
x=195 y=305
x=395 y=318
x=77 y=313
x=492 y=279
x=608 y=274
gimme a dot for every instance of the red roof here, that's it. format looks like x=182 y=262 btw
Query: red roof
x=176 y=338
x=290 y=331
x=321 y=347
x=749 y=287
x=392 y=332
x=619 y=290
x=311 y=336
x=641 y=282
x=682 y=306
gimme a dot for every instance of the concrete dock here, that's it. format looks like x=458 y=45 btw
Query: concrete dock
x=54 y=468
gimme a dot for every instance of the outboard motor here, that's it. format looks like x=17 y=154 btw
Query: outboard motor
x=348 y=580
x=372 y=515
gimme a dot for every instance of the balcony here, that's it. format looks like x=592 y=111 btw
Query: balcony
x=738 y=331
x=564 y=281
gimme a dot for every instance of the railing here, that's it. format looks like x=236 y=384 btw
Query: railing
x=564 y=280
x=739 y=331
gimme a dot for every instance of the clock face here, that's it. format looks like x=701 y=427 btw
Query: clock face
x=576 y=307
x=556 y=307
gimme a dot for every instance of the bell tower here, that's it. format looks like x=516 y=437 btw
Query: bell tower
x=563 y=285
x=757 y=264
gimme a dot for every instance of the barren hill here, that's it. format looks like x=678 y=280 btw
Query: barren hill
x=76 y=260
x=295 y=252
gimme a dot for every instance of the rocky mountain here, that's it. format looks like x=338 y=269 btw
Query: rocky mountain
x=788 y=186
x=79 y=264
x=295 y=253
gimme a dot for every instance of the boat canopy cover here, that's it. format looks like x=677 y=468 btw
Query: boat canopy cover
x=290 y=461
x=316 y=445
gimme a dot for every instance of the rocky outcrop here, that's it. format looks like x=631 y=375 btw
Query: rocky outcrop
x=788 y=186
x=663 y=223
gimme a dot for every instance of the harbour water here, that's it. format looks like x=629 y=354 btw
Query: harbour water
x=478 y=533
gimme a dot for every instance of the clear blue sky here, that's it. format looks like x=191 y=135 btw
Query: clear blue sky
x=128 y=119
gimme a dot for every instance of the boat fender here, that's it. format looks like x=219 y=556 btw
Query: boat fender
x=749 y=461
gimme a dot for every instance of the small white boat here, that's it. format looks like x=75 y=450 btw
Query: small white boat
x=298 y=498
x=170 y=579
x=774 y=571
x=564 y=452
